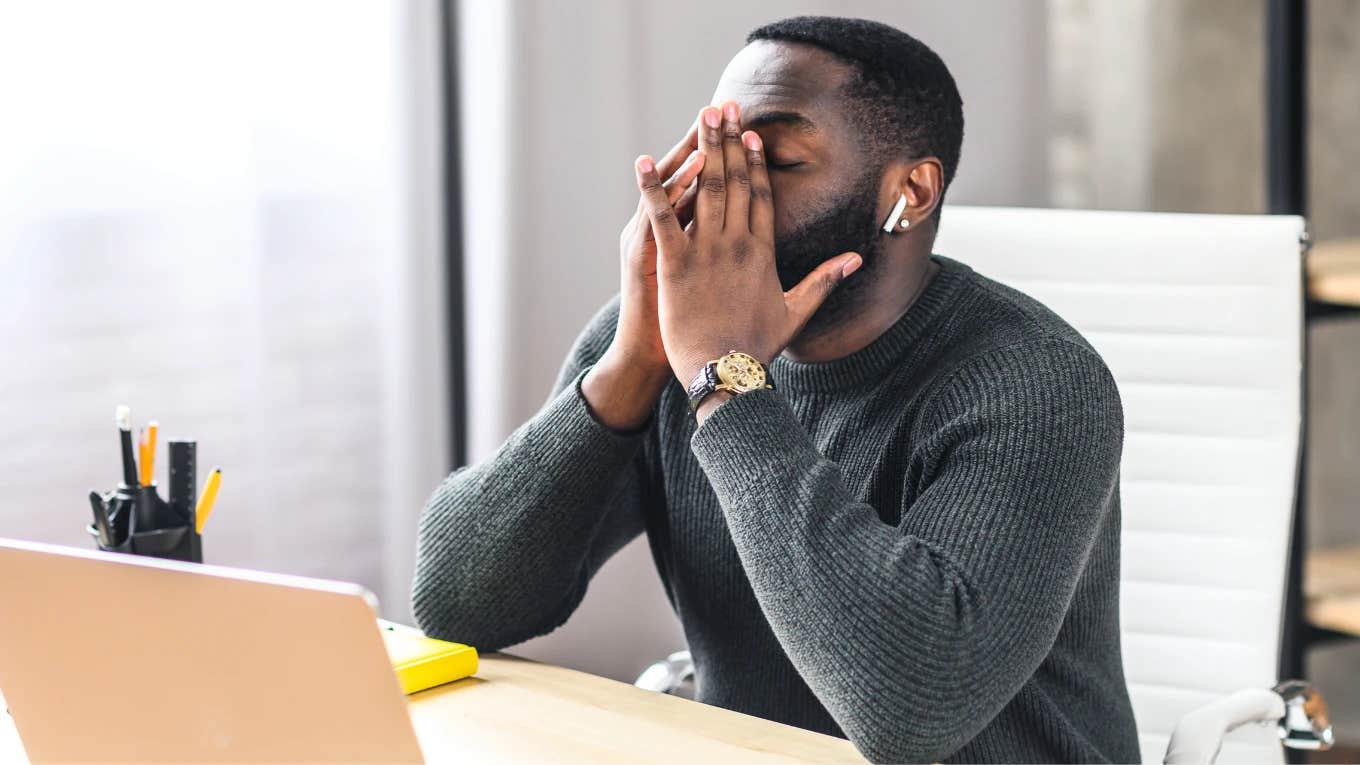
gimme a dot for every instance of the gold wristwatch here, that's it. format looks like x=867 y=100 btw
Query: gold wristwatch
x=734 y=372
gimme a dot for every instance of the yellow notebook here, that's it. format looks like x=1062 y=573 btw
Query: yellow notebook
x=423 y=662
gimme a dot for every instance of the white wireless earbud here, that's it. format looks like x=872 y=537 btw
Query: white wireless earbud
x=891 y=223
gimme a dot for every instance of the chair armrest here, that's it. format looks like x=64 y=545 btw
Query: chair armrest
x=1293 y=705
x=668 y=675
x=1199 y=734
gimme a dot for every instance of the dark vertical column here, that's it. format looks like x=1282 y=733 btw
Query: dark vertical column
x=1286 y=107
x=453 y=236
x=1286 y=194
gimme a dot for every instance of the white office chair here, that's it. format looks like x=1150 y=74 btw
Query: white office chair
x=1200 y=318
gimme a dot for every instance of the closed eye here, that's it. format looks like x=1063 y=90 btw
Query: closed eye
x=784 y=165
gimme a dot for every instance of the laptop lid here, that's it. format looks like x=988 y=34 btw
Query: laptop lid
x=115 y=658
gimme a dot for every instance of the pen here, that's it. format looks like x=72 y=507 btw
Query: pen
x=123 y=417
x=101 y=520
x=208 y=499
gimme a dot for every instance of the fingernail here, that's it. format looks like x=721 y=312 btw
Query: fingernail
x=712 y=117
x=645 y=164
x=730 y=111
x=851 y=266
x=752 y=140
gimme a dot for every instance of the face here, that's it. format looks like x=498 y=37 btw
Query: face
x=825 y=188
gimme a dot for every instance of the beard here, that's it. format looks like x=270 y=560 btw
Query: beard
x=848 y=225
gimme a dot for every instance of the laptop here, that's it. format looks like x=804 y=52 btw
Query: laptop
x=106 y=657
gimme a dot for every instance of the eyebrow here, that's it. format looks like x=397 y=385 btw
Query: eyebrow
x=793 y=119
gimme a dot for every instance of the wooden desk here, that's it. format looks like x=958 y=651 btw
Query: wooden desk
x=1333 y=269
x=1331 y=586
x=515 y=710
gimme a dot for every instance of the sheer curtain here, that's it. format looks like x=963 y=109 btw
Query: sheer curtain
x=225 y=215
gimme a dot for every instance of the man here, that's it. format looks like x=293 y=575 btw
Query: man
x=912 y=539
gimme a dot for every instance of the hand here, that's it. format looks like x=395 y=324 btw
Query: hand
x=718 y=289
x=638 y=336
x=625 y=383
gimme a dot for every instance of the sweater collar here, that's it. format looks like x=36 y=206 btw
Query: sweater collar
x=874 y=358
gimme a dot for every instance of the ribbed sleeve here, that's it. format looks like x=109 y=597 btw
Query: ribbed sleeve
x=915 y=635
x=505 y=548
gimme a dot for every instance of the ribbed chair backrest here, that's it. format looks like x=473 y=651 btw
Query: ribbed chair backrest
x=1200 y=319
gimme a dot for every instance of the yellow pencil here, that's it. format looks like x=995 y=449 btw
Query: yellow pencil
x=207 y=499
x=149 y=459
x=141 y=456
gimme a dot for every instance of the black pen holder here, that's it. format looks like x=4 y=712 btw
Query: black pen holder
x=147 y=525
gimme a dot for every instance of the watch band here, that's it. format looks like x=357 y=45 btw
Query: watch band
x=704 y=383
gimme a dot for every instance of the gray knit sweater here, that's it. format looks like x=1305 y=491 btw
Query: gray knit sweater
x=915 y=546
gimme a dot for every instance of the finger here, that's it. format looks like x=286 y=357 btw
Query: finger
x=684 y=207
x=762 y=199
x=709 y=207
x=808 y=295
x=676 y=188
x=736 y=179
x=683 y=177
x=668 y=164
x=665 y=226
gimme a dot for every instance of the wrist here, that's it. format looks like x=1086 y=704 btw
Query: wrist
x=638 y=367
x=622 y=393
x=711 y=403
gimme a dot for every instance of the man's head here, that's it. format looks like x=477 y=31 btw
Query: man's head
x=852 y=114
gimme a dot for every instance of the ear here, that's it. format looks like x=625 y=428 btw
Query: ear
x=921 y=181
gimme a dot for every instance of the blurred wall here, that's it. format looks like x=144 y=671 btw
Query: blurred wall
x=1334 y=119
x=557 y=100
x=1157 y=105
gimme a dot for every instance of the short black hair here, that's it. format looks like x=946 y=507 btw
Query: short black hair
x=906 y=97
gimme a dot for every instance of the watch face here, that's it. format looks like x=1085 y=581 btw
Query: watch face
x=741 y=371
